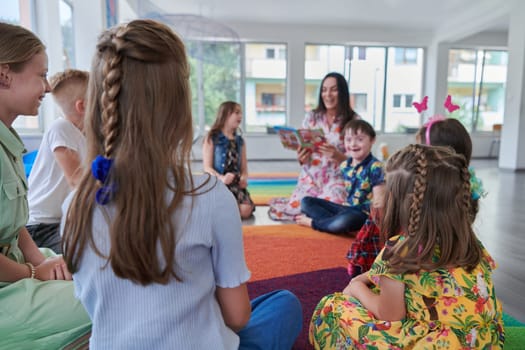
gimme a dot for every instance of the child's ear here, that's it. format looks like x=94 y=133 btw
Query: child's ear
x=5 y=76
x=80 y=106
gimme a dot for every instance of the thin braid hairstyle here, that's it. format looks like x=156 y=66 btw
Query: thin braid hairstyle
x=112 y=71
x=139 y=116
x=428 y=203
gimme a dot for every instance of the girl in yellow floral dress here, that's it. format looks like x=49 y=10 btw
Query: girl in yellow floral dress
x=431 y=286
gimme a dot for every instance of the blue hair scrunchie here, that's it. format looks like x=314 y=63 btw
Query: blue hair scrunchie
x=100 y=168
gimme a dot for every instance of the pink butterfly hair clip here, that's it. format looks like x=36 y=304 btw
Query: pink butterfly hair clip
x=449 y=105
x=421 y=106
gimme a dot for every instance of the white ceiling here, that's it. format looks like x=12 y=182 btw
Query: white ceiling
x=407 y=14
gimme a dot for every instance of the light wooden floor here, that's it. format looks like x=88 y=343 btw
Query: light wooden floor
x=500 y=225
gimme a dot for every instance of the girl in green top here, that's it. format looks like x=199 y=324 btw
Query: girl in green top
x=34 y=284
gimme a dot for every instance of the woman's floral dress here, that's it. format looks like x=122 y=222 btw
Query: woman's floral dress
x=446 y=309
x=320 y=178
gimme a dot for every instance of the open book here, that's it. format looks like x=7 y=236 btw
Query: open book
x=292 y=138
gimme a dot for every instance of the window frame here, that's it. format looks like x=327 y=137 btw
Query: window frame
x=379 y=113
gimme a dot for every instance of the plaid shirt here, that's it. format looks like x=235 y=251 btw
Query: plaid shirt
x=364 y=249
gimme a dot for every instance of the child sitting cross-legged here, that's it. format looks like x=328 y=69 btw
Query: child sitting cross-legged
x=224 y=155
x=431 y=286
x=437 y=131
x=364 y=182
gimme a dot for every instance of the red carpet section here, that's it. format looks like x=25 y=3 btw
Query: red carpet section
x=308 y=263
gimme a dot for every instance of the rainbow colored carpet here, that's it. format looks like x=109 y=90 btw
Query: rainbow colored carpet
x=312 y=264
x=308 y=263
x=264 y=186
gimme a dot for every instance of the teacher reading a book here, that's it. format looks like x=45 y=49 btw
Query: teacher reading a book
x=320 y=176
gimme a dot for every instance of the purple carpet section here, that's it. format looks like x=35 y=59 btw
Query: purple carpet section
x=309 y=287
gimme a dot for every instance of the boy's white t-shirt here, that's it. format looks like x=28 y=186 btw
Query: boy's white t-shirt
x=47 y=184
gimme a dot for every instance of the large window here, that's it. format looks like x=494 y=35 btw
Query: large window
x=320 y=60
x=404 y=78
x=265 y=86
x=215 y=78
x=253 y=74
x=476 y=81
x=383 y=81
x=405 y=55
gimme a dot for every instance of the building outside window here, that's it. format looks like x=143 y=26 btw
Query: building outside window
x=406 y=80
x=409 y=99
x=373 y=78
x=215 y=78
x=397 y=101
x=265 y=86
x=476 y=82
x=359 y=102
x=402 y=101
x=270 y=53
x=320 y=60
x=406 y=55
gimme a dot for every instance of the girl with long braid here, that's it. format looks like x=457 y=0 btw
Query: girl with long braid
x=431 y=285
x=156 y=252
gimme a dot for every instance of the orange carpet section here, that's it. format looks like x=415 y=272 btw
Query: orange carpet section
x=280 y=250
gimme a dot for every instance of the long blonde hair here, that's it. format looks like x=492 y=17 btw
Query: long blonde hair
x=139 y=116
x=428 y=200
x=17 y=46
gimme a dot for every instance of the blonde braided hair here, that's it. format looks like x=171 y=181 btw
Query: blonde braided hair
x=428 y=202
x=420 y=184
x=109 y=99
x=139 y=115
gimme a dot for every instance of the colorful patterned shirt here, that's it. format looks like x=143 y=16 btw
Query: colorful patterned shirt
x=361 y=179
x=446 y=309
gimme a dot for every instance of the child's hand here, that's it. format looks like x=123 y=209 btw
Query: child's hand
x=362 y=278
x=227 y=178
x=53 y=269
x=303 y=155
x=356 y=282
x=243 y=181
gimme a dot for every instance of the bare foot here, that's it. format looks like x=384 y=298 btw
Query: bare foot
x=303 y=220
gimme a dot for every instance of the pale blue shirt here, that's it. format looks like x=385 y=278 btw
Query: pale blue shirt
x=179 y=315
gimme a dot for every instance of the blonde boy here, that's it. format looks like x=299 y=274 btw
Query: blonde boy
x=57 y=167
